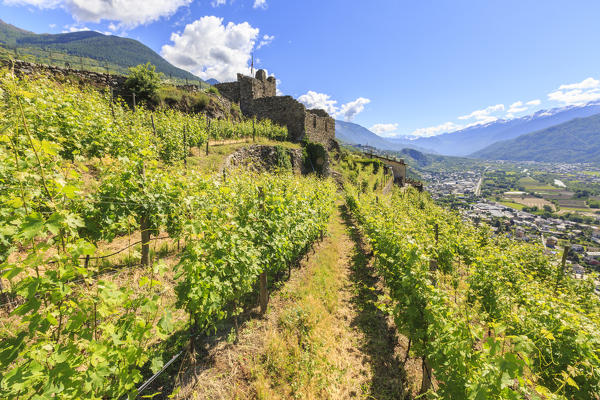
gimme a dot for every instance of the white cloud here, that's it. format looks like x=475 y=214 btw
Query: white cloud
x=319 y=100
x=217 y=3
x=535 y=102
x=436 y=130
x=577 y=93
x=52 y=26
x=264 y=41
x=516 y=108
x=128 y=13
x=75 y=28
x=210 y=49
x=35 y=3
x=589 y=83
x=323 y=101
x=351 y=109
x=384 y=129
x=260 y=4
x=483 y=116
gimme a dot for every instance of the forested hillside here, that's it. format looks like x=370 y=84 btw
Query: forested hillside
x=114 y=51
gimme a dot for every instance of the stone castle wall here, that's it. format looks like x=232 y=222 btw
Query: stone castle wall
x=230 y=90
x=258 y=97
x=283 y=110
x=319 y=126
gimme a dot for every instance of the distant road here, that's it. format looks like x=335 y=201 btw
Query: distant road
x=478 y=188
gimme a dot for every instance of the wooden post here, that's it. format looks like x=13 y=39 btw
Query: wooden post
x=253 y=129
x=437 y=233
x=145 y=228
x=207 y=134
x=263 y=295
x=112 y=99
x=426 y=381
x=563 y=263
x=433 y=266
x=133 y=102
x=153 y=126
x=184 y=147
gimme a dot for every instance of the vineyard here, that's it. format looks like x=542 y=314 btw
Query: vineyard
x=489 y=317
x=120 y=253
x=78 y=172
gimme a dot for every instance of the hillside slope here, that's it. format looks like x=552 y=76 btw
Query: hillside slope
x=574 y=141
x=122 y=52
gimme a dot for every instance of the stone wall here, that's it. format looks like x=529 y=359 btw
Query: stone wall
x=260 y=158
x=229 y=90
x=23 y=68
x=283 y=110
x=319 y=127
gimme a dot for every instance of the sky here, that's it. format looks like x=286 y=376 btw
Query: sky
x=417 y=68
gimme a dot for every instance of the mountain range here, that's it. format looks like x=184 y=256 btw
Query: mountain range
x=574 y=141
x=115 y=50
x=560 y=132
x=350 y=133
x=472 y=139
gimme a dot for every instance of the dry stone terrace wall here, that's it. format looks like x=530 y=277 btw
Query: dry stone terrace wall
x=263 y=158
x=23 y=68
x=99 y=80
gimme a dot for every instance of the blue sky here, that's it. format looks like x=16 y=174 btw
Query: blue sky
x=399 y=67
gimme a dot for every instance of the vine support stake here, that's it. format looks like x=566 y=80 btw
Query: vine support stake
x=185 y=150
x=437 y=234
x=563 y=263
x=144 y=227
x=426 y=381
x=153 y=126
x=263 y=294
x=433 y=266
x=207 y=134
x=133 y=97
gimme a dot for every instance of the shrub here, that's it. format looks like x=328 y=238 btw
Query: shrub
x=282 y=158
x=214 y=90
x=315 y=157
x=143 y=81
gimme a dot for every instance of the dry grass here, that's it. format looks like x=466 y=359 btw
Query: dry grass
x=531 y=202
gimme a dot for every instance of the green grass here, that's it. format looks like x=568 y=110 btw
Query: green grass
x=531 y=184
x=510 y=204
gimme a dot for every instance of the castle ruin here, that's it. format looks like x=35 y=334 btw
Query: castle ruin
x=258 y=98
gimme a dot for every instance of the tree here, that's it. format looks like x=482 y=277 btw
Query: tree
x=143 y=81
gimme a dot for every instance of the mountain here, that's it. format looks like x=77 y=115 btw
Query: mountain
x=212 y=81
x=351 y=133
x=575 y=141
x=118 y=51
x=472 y=139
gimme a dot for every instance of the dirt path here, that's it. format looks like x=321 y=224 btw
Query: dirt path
x=322 y=337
